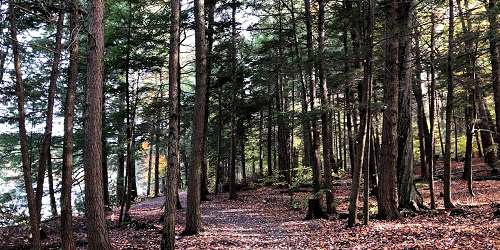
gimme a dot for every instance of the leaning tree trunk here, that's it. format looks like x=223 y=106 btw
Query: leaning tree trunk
x=193 y=216
x=47 y=136
x=387 y=196
x=96 y=221
x=23 y=138
x=368 y=6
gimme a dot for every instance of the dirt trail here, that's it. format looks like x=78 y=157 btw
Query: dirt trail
x=262 y=219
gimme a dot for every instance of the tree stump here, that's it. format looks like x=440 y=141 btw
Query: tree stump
x=314 y=210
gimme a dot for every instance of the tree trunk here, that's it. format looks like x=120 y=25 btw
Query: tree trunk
x=4 y=50
x=449 y=110
x=47 y=136
x=387 y=196
x=366 y=99
x=306 y=129
x=96 y=221
x=67 y=238
x=432 y=89
x=455 y=133
x=210 y=5
x=315 y=154
x=150 y=163
x=281 y=107
x=234 y=91
x=493 y=12
x=326 y=111
x=219 y=168
x=53 y=205
x=363 y=136
x=489 y=151
x=406 y=187
x=193 y=216
x=374 y=160
x=157 y=166
x=23 y=138
x=173 y=175
x=470 y=83
x=341 y=142
x=104 y=153
x=348 y=99
x=120 y=178
x=261 y=142
x=243 y=159
x=423 y=130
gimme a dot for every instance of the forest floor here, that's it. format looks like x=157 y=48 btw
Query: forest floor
x=264 y=219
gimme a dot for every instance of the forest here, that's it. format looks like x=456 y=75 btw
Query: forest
x=245 y=124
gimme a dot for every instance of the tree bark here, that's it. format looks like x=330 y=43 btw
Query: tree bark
x=311 y=79
x=269 y=139
x=487 y=140
x=493 y=12
x=387 y=196
x=234 y=91
x=368 y=20
x=193 y=216
x=210 y=6
x=219 y=173
x=53 y=205
x=469 y=86
x=96 y=221
x=326 y=111
x=47 y=136
x=424 y=136
x=306 y=129
x=67 y=237
x=363 y=136
x=432 y=89
x=173 y=175
x=261 y=142
x=23 y=138
x=243 y=159
x=281 y=108
x=104 y=153
x=120 y=178
x=406 y=187
x=449 y=110
x=150 y=163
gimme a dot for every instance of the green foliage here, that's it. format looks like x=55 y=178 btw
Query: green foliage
x=10 y=211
